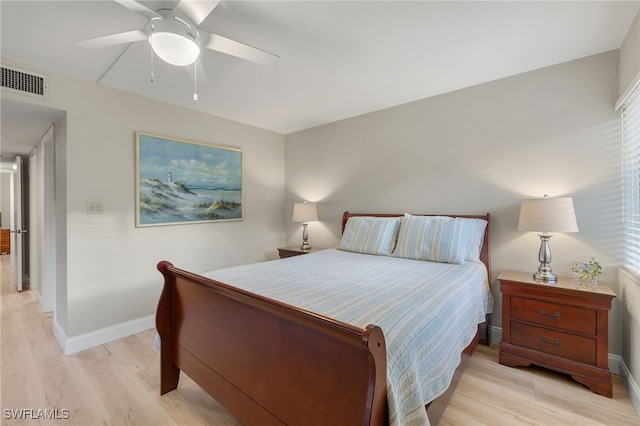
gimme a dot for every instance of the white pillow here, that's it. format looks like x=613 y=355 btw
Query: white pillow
x=433 y=238
x=475 y=238
x=370 y=235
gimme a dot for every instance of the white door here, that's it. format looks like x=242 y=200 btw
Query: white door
x=16 y=226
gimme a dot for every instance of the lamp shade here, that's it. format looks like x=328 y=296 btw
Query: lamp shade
x=305 y=212
x=548 y=215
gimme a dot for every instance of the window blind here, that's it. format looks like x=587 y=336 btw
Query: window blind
x=630 y=113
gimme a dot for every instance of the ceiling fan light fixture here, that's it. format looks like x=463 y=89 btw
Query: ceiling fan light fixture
x=174 y=42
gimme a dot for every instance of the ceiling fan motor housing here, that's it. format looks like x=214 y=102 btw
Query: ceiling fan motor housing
x=174 y=40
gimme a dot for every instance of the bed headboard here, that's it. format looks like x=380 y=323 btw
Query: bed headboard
x=484 y=252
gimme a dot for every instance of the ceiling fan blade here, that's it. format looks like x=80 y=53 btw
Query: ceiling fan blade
x=196 y=10
x=234 y=48
x=104 y=74
x=138 y=8
x=113 y=39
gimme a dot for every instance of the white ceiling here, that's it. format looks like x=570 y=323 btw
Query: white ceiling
x=338 y=59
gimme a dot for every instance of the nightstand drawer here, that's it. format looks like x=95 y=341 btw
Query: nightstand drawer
x=565 y=317
x=577 y=348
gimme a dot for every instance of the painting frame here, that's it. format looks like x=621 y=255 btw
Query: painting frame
x=181 y=182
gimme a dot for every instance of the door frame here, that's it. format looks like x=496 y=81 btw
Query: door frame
x=43 y=220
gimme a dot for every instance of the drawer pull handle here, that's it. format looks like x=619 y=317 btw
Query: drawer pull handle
x=556 y=315
x=544 y=340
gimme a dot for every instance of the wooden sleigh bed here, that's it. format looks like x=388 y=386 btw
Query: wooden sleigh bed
x=270 y=363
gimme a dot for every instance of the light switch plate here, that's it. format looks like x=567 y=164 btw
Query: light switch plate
x=95 y=207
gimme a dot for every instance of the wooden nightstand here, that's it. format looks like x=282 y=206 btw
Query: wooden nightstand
x=295 y=251
x=557 y=326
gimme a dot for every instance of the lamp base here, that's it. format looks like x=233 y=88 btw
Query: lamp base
x=544 y=273
x=545 y=277
x=305 y=238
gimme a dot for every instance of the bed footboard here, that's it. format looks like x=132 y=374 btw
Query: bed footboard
x=267 y=362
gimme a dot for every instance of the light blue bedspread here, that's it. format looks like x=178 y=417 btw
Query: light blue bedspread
x=428 y=311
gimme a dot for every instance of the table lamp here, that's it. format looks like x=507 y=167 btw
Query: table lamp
x=546 y=215
x=305 y=212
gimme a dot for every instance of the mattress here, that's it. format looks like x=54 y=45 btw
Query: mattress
x=428 y=311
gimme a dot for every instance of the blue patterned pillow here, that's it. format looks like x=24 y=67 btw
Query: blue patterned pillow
x=433 y=238
x=370 y=235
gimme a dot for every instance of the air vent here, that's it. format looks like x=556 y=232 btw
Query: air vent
x=25 y=82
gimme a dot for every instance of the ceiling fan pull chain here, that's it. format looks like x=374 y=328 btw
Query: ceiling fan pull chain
x=152 y=75
x=150 y=43
x=195 y=80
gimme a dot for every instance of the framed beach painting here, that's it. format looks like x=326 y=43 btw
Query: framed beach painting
x=180 y=182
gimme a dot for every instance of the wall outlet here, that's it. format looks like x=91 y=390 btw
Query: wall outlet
x=95 y=207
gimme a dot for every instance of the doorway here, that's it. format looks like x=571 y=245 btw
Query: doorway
x=28 y=132
x=15 y=222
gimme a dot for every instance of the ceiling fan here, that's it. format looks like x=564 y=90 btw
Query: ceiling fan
x=175 y=37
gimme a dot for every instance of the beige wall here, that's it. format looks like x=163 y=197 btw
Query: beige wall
x=481 y=149
x=107 y=266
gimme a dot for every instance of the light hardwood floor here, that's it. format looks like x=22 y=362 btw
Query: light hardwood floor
x=117 y=383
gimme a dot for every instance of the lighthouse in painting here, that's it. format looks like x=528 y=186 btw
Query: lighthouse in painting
x=169 y=178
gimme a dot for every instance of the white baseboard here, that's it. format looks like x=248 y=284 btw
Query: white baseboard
x=616 y=365
x=74 y=344
x=496 y=334
x=632 y=386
